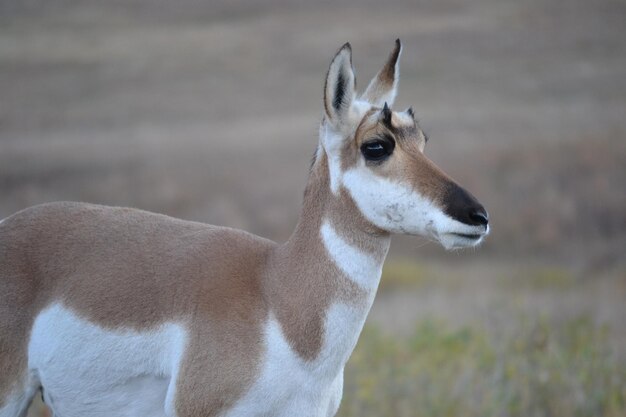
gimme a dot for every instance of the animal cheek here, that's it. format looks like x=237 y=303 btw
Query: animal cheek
x=393 y=213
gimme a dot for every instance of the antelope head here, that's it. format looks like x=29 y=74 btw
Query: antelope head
x=377 y=155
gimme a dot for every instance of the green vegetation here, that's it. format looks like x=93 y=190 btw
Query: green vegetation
x=550 y=278
x=404 y=274
x=532 y=370
x=529 y=359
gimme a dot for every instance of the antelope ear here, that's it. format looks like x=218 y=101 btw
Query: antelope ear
x=382 y=89
x=340 y=85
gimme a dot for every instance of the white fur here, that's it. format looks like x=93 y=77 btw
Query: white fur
x=88 y=371
x=390 y=205
x=290 y=386
x=398 y=208
x=403 y=118
x=360 y=267
x=333 y=139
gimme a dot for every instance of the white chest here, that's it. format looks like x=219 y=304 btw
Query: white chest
x=289 y=386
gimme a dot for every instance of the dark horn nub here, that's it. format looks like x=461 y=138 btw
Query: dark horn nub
x=386 y=115
x=462 y=206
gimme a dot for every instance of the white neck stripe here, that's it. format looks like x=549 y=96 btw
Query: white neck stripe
x=361 y=268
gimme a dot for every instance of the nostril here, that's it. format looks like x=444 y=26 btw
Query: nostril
x=479 y=217
x=463 y=207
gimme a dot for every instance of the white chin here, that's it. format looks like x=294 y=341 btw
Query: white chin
x=452 y=241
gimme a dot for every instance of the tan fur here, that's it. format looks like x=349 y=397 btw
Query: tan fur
x=385 y=79
x=302 y=287
x=124 y=268
x=408 y=163
x=127 y=268
x=349 y=83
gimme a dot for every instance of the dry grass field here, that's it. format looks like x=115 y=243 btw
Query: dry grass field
x=209 y=111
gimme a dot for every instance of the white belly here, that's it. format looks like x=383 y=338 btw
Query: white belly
x=87 y=371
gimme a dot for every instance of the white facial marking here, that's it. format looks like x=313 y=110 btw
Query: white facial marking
x=89 y=371
x=452 y=240
x=334 y=168
x=388 y=204
x=404 y=119
x=391 y=205
x=330 y=142
x=360 y=267
x=333 y=141
x=398 y=208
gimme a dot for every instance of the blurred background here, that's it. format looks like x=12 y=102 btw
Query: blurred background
x=209 y=111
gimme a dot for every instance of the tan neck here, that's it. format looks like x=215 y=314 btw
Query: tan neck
x=321 y=206
x=305 y=278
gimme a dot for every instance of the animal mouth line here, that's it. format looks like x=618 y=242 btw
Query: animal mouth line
x=473 y=236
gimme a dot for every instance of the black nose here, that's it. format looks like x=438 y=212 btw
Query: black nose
x=478 y=216
x=462 y=206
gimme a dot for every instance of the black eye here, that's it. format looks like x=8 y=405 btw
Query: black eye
x=377 y=150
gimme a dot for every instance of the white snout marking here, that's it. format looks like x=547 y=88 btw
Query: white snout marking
x=454 y=241
x=399 y=208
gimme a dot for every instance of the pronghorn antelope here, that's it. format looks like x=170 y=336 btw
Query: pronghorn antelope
x=121 y=312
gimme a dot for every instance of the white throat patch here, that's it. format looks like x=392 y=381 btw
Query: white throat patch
x=362 y=268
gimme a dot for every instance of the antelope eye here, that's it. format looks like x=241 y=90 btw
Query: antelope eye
x=377 y=150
